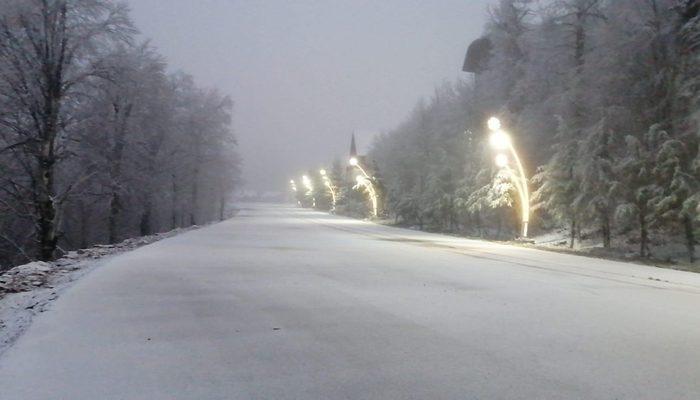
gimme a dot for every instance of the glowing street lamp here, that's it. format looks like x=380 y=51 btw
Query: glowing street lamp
x=501 y=141
x=293 y=185
x=502 y=161
x=365 y=181
x=310 y=189
x=329 y=184
x=356 y=163
x=494 y=124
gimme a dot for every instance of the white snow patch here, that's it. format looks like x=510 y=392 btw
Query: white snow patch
x=29 y=289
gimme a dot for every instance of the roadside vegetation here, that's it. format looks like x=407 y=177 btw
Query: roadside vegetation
x=99 y=142
x=602 y=100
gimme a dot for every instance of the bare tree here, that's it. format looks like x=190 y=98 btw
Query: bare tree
x=48 y=50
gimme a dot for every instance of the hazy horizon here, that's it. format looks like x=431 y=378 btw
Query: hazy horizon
x=305 y=76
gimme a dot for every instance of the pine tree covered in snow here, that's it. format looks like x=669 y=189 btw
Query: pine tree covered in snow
x=557 y=184
x=675 y=205
x=636 y=170
x=601 y=99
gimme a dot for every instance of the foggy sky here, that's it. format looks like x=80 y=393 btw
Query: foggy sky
x=305 y=74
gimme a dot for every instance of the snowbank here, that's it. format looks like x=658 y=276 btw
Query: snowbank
x=28 y=289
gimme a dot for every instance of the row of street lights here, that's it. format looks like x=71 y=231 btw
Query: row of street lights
x=499 y=140
x=363 y=181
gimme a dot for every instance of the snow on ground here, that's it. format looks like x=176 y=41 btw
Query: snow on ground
x=29 y=289
x=283 y=303
x=666 y=251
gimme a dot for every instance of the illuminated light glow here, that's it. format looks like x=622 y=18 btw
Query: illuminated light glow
x=502 y=160
x=365 y=181
x=308 y=185
x=307 y=182
x=327 y=182
x=500 y=140
x=494 y=124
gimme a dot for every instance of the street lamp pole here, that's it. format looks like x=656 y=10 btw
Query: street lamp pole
x=295 y=190
x=500 y=140
x=365 y=181
x=329 y=184
x=310 y=189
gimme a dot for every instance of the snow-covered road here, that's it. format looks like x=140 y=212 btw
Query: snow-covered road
x=281 y=303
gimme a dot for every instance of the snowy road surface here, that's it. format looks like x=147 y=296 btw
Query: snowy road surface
x=281 y=303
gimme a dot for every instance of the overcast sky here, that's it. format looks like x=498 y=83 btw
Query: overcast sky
x=305 y=74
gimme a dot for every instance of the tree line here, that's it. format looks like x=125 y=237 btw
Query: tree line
x=98 y=141
x=602 y=99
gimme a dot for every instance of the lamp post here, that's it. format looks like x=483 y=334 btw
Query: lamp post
x=329 y=184
x=310 y=189
x=501 y=141
x=295 y=190
x=365 y=181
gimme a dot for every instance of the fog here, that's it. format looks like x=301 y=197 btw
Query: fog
x=304 y=75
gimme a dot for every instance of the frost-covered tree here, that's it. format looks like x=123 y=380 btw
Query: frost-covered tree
x=676 y=204
x=586 y=88
x=97 y=141
x=123 y=102
x=637 y=186
x=47 y=55
x=597 y=193
x=557 y=184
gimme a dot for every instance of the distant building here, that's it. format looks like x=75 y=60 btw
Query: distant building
x=352 y=172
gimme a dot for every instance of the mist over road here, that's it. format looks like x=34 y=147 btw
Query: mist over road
x=284 y=303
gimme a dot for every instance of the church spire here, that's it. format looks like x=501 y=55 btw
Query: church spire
x=353 y=147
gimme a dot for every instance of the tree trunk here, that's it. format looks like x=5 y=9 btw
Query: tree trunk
x=500 y=224
x=114 y=209
x=115 y=170
x=46 y=207
x=145 y=225
x=194 y=200
x=477 y=219
x=83 y=224
x=644 y=235
x=222 y=208
x=572 y=232
x=175 y=222
x=606 y=231
x=46 y=225
x=193 y=204
x=689 y=238
x=52 y=74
